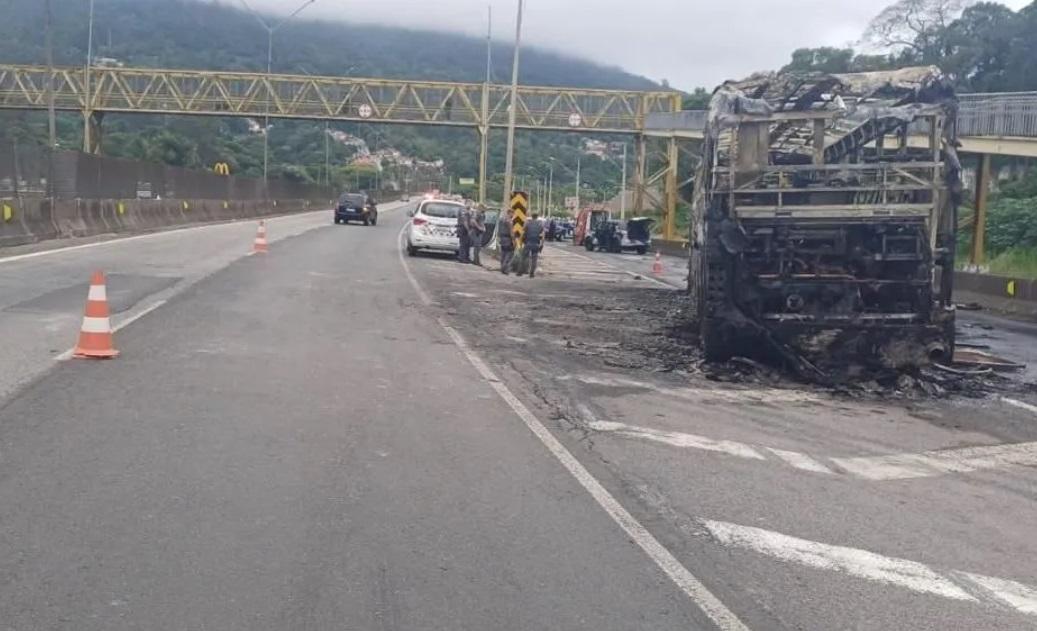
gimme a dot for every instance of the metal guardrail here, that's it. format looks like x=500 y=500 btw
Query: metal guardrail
x=1006 y=114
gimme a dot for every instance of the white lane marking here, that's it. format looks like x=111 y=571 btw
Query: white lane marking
x=800 y=461
x=872 y=468
x=769 y=395
x=860 y=563
x=1020 y=597
x=97 y=292
x=677 y=439
x=723 y=617
x=96 y=325
x=1020 y=404
x=930 y=463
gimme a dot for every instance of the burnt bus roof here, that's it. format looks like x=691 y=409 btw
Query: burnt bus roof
x=846 y=101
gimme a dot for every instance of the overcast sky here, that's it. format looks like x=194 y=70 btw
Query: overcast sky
x=689 y=42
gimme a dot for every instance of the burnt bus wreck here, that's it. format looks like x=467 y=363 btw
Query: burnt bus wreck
x=824 y=216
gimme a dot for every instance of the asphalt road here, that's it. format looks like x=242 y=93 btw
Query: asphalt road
x=335 y=436
x=292 y=442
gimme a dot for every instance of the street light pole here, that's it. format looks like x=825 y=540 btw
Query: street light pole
x=270 y=30
x=48 y=30
x=509 y=160
x=87 y=113
x=550 y=187
x=578 y=159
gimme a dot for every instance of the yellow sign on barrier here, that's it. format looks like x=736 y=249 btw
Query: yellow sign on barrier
x=520 y=208
x=1010 y=288
x=121 y=207
x=226 y=205
x=187 y=206
x=221 y=168
x=8 y=212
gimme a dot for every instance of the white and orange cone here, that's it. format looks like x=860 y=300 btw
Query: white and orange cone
x=95 y=336
x=259 y=245
x=657 y=267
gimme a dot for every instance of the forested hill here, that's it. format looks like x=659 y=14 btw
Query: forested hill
x=219 y=35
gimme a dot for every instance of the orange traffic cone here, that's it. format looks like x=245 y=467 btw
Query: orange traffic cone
x=657 y=267
x=95 y=337
x=259 y=245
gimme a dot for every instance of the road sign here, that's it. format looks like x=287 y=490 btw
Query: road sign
x=466 y=181
x=365 y=110
x=520 y=206
x=575 y=120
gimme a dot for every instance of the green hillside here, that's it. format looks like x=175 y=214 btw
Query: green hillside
x=217 y=35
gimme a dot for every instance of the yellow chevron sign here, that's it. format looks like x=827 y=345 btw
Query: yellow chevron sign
x=520 y=207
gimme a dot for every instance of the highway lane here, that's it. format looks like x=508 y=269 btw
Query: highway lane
x=42 y=293
x=293 y=443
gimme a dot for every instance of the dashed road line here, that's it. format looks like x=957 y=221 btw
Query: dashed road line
x=872 y=468
x=801 y=461
x=1020 y=404
x=678 y=439
x=911 y=575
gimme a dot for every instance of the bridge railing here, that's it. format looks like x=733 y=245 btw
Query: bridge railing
x=1006 y=114
x=1002 y=114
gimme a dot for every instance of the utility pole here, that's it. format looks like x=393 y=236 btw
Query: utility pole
x=509 y=160
x=484 y=126
x=578 y=159
x=48 y=30
x=550 y=187
x=623 y=187
x=327 y=153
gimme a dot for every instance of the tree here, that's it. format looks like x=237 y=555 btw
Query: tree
x=977 y=47
x=823 y=59
x=697 y=100
x=914 y=25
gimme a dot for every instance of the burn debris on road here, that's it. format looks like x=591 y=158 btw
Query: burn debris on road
x=574 y=325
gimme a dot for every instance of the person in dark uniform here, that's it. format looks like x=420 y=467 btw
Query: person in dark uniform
x=506 y=240
x=533 y=240
x=464 y=244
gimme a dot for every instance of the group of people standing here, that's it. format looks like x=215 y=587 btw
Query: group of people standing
x=532 y=241
x=471 y=231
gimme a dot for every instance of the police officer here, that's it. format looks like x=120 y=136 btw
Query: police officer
x=506 y=240
x=476 y=229
x=533 y=242
x=463 y=219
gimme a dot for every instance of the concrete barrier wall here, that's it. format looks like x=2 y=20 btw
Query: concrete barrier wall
x=1014 y=296
x=28 y=220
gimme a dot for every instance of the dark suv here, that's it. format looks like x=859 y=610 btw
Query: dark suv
x=356 y=207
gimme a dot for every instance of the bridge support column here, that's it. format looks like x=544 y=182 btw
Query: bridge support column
x=977 y=254
x=640 y=163
x=93 y=132
x=484 y=142
x=670 y=190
